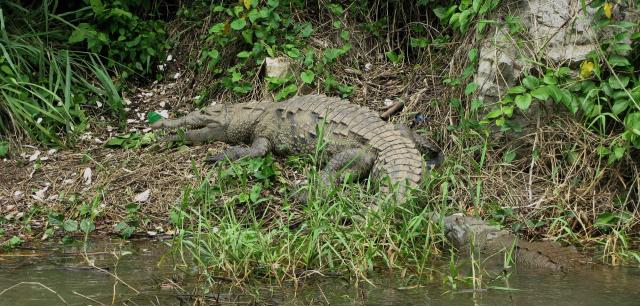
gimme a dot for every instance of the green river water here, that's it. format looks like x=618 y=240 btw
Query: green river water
x=60 y=275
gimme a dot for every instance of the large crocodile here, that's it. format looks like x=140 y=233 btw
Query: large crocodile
x=355 y=137
x=462 y=231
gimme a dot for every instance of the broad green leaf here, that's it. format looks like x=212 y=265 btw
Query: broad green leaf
x=473 y=54
x=471 y=88
x=286 y=92
x=115 y=141
x=4 y=148
x=494 y=113
x=238 y=24
x=418 y=42
x=523 y=101
x=255 y=192
x=618 y=83
x=541 y=93
x=619 y=106
x=307 y=76
x=70 y=225
x=243 y=54
x=392 y=56
x=509 y=156
x=618 y=61
x=217 y=28
x=549 y=80
x=517 y=90
x=530 y=82
x=87 y=226
x=97 y=6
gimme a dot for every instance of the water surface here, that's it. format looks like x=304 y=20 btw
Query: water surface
x=55 y=275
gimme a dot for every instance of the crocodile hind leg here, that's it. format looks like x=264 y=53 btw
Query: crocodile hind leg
x=358 y=162
x=259 y=147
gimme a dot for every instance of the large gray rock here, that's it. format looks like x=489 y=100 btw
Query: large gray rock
x=554 y=31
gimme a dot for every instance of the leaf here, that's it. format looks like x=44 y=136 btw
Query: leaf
x=4 y=148
x=243 y=54
x=608 y=9
x=70 y=225
x=517 y=90
x=418 y=42
x=217 y=28
x=87 y=226
x=255 y=192
x=247 y=3
x=586 y=69
x=549 y=80
x=605 y=219
x=531 y=82
x=392 y=56
x=153 y=117
x=523 y=101
x=238 y=24
x=473 y=55
x=115 y=141
x=509 y=156
x=541 y=93
x=620 y=106
x=97 y=6
x=617 y=60
x=618 y=83
x=307 y=76
x=6 y=69
x=307 y=30
x=471 y=88
x=285 y=92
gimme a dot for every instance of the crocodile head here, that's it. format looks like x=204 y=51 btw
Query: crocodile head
x=461 y=230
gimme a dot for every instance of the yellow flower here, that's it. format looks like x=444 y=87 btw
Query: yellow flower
x=608 y=9
x=586 y=69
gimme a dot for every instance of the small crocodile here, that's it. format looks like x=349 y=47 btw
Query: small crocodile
x=356 y=138
x=462 y=230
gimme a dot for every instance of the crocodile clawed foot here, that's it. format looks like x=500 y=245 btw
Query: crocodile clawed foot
x=216 y=158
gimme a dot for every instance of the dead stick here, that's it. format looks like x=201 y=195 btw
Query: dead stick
x=392 y=110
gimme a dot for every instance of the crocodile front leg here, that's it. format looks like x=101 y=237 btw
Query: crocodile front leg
x=192 y=136
x=259 y=147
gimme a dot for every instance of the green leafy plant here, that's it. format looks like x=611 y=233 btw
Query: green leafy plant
x=605 y=92
x=461 y=14
x=121 y=36
x=257 y=30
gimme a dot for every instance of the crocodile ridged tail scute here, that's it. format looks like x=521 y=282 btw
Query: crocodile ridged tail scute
x=397 y=155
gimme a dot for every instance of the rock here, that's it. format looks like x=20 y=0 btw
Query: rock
x=556 y=31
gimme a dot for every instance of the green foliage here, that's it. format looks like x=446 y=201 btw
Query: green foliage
x=605 y=92
x=460 y=15
x=111 y=29
x=131 y=140
x=4 y=148
x=235 y=223
x=42 y=86
x=247 y=33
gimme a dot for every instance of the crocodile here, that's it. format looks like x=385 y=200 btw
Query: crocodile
x=462 y=231
x=355 y=138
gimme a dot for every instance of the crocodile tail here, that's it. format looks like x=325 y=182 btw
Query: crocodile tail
x=398 y=168
x=550 y=255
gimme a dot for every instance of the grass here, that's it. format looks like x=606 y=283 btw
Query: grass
x=234 y=224
x=44 y=83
